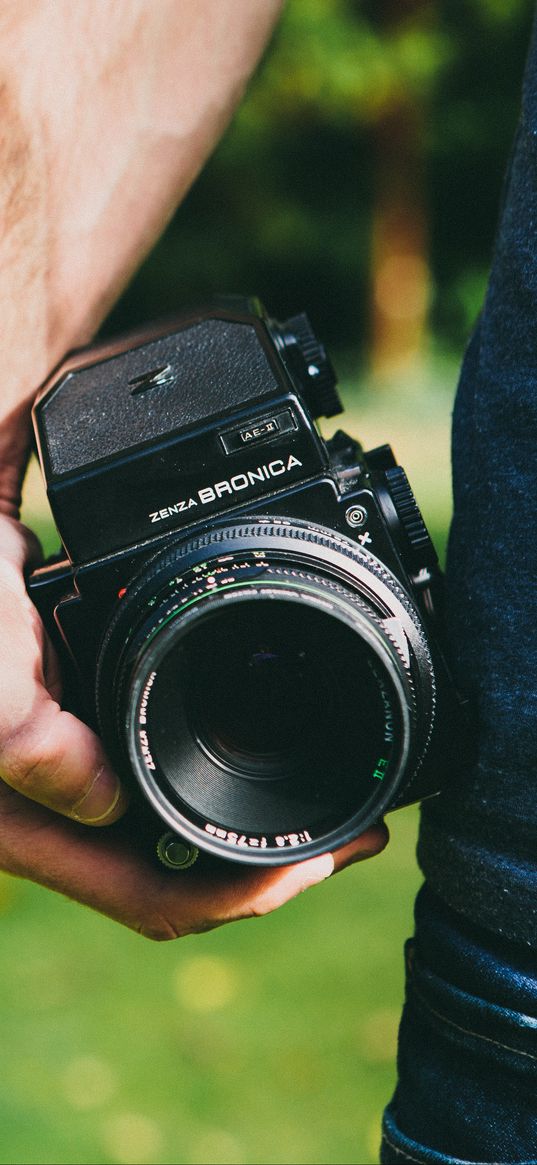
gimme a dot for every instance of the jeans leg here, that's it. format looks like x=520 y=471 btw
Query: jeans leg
x=467 y=1057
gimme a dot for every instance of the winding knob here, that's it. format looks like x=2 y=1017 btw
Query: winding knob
x=408 y=510
x=317 y=376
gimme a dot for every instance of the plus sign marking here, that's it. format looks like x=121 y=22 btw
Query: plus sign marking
x=364 y=538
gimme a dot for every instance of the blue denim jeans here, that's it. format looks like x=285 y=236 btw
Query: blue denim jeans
x=467 y=1086
x=468 y=1046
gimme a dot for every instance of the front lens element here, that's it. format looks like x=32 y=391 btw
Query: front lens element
x=270 y=717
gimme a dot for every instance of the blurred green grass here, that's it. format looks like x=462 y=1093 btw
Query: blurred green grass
x=269 y=1041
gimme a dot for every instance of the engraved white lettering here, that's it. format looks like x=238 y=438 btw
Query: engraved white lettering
x=213 y=493
x=223 y=487
x=240 y=481
x=142 y=717
x=236 y=839
x=146 y=752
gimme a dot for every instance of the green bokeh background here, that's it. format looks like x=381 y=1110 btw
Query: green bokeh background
x=274 y=1040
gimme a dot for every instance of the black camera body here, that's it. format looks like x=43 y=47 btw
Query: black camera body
x=249 y=613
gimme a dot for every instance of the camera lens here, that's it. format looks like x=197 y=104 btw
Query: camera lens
x=260 y=693
x=267 y=717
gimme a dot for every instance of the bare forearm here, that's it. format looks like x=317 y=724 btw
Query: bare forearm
x=108 y=110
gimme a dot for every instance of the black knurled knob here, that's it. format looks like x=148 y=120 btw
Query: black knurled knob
x=320 y=381
x=407 y=509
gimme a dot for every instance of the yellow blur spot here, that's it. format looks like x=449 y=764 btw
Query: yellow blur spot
x=215 y=1147
x=379 y=1036
x=402 y=287
x=130 y=1137
x=205 y=983
x=88 y=1082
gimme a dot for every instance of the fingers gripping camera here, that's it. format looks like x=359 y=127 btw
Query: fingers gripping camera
x=249 y=612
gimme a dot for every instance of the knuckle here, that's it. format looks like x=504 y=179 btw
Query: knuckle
x=159 y=929
x=260 y=908
x=26 y=761
x=268 y=896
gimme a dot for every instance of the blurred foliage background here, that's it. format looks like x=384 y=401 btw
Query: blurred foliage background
x=360 y=177
x=360 y=181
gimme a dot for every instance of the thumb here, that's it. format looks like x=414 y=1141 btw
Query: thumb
x=56 y=760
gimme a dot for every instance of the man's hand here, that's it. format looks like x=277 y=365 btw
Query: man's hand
x=45 y=753
x=51 y=764
x=94 y=868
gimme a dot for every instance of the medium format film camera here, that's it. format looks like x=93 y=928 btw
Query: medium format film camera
x=249 y=612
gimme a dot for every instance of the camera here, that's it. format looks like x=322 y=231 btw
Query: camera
x=249 y=615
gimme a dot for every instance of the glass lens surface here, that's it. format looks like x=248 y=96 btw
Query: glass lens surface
x=271 y=716
x=256 y=681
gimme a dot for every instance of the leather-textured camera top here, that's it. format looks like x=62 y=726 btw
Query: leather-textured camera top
x=130 y=432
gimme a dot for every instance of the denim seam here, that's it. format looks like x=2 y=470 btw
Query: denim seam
x=423 y=1160
x=468 y=1031
x=403 y=1152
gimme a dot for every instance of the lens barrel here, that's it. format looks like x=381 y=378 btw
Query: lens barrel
x=271 y=687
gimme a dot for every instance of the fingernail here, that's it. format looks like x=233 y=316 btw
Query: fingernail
x=316 y=870
x=100 y=800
